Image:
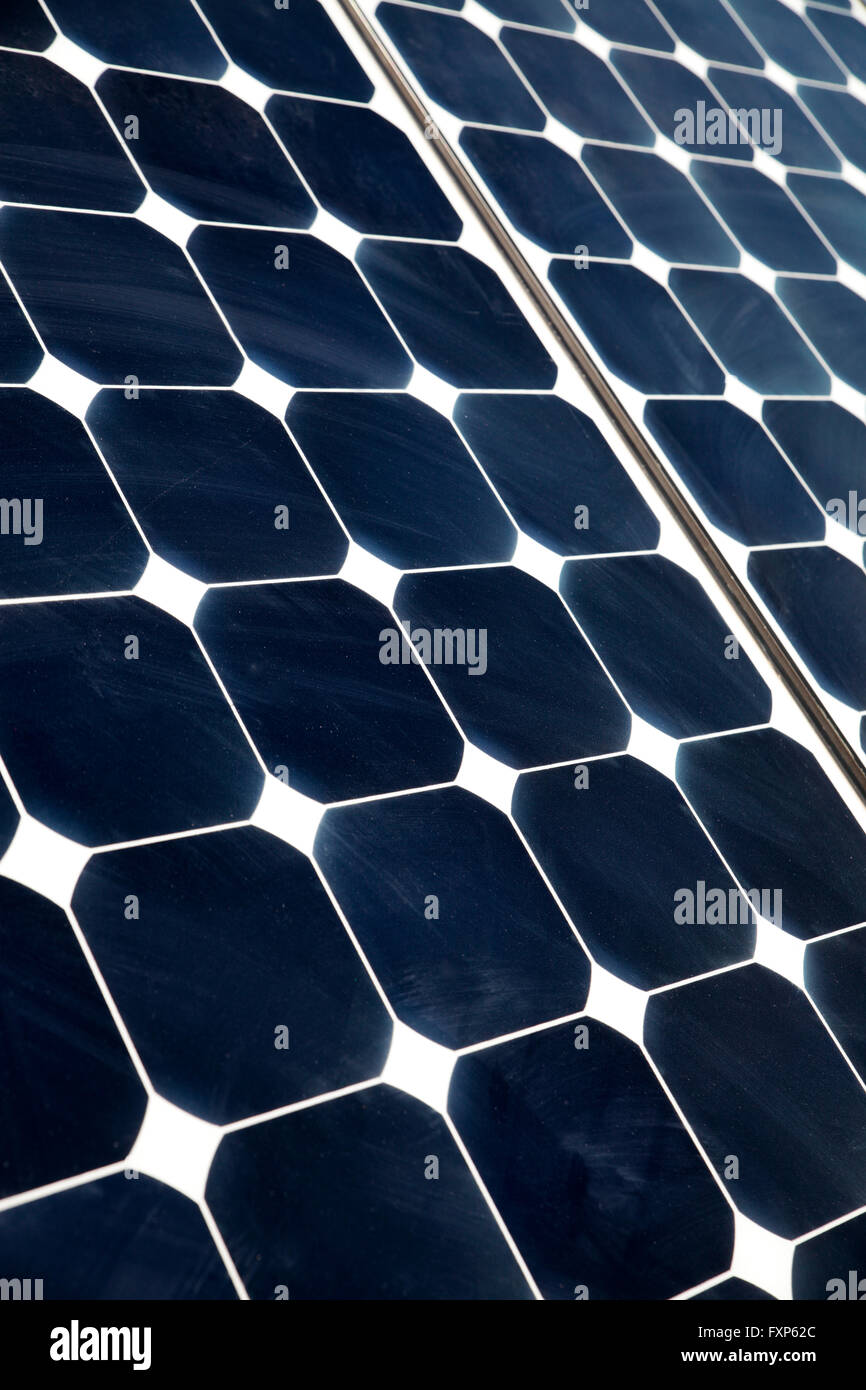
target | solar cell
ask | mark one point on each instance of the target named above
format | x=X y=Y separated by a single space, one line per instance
x=216 y=485
x=630 y=814
x=89 y=282
x=244 y=904
x=205 y=151
x=537 y=1117
x=302 y=665
x=403 y=483
x=781 y=1100
x=299 y=1183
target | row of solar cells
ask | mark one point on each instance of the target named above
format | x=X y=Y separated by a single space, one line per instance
x=331 y=1201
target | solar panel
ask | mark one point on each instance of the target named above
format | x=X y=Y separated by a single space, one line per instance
x=419 y=881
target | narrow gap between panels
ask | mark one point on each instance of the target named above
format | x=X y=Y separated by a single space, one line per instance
x=784 y=665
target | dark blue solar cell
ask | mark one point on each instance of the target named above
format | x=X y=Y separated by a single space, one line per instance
x=545 y=193
x=55 y=144
x=556 y=473
x=71 y=1098
x=529 y=691
x=596 y=1179
x=675 y=99
x=296 y=49
x=729 y=1289
x=24 y=24
x=20 y=353
x=839 y=210
x=842 y=116
x=456 y=315
x=818 y=597
x=827 y=445
x=206 y=151
x=835 y=976
x=834 y=317
x=226 y=944
x=286 y=1193
x=637 y=328
x=729 y=464
x=788 y=39
x=307 y=666
x=760 y=1080
x=832 y=1265
x=845 y=34
x=641 y=849
x=763 y=218
x=217 y=485
x=112 y=298
x=546 y=14
x=165 y=35
x=118 y=1238
x=660 y=206
x=460 y=67
x=785 y=131
x=710 y=31
x=125 y=739
x=299 y=307
x=627 y=21
x=65 y=529
x=665 y=645
x=363 y=169
x=400 y=478
x=577 y=88
x=752 y=336
x=780 y=825
x=452 y=915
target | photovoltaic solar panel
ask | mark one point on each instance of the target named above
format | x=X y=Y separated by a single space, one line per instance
x=416 y=881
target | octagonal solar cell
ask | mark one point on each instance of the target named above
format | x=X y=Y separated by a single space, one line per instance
x=55 y=145
x=452 y=915
x=569 y=1125
x=217 y=485
x=456 y=315
x=130 y=735
x=113 y=299
x=303 y=664
x=206 y=151
x=233 y=940
x=300 y=308
x=528 y=690
x=286 y=1193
